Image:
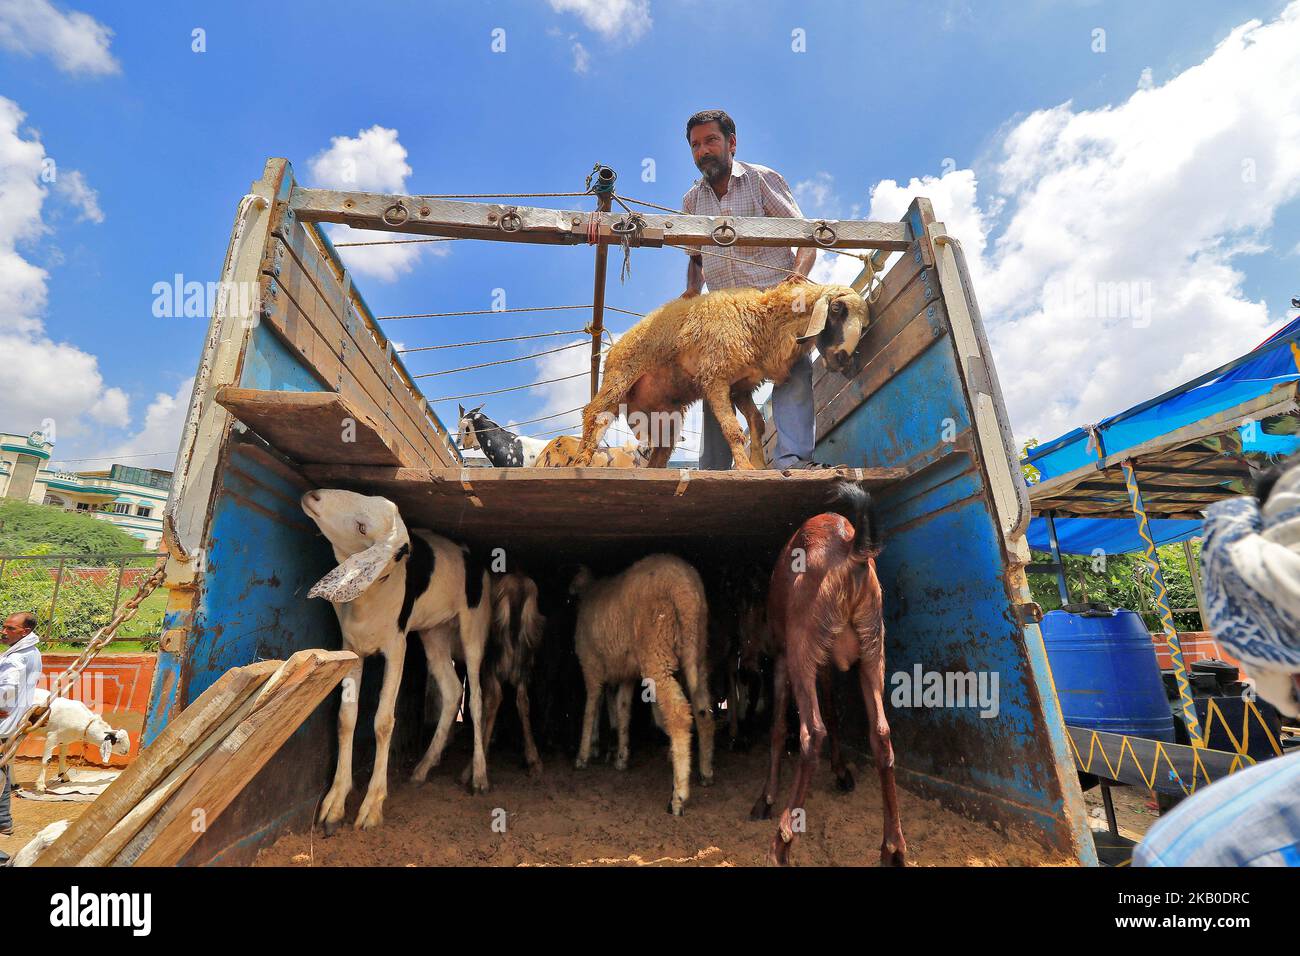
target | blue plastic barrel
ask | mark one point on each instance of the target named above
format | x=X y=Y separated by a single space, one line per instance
x=1105 y=670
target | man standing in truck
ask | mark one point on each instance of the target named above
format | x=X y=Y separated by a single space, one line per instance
x=729 y=187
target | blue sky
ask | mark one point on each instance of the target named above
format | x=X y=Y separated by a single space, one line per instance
x=1006 y=115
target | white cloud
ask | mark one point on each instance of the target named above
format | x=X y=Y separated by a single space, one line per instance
x=581 y=58
x=626 y=20
x=816 y=195
x=163 y=421
x=72 y=186
x=1103 y=242
x=1145 y=80
x=50 y=380
x=371 y=161
x=76 y=42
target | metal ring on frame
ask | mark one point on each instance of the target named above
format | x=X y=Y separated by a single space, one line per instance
x=724 y=234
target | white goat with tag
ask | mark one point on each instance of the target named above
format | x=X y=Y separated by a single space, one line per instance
x=388 y=583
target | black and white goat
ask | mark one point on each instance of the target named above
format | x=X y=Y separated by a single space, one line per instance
x=390 y=582
x=72 y=721
x=504 y=448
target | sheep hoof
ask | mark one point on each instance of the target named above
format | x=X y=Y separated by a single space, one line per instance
x=479 y=787
x=620 y=763
x=762 y=809
x=844 y=782
x=535 y=770
x=706 y=779
x=331 y=827
x=579 y=764
x=892 y=856
x=464 y=774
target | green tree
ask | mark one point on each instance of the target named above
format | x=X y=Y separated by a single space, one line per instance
x=26 y=528
x=1122 y=580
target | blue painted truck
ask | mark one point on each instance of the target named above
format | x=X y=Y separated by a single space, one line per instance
x=921 y=403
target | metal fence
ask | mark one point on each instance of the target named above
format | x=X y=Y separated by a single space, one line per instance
x=73 y=595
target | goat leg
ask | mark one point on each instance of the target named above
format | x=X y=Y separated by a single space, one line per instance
x=597 y=417
x=745 y=403
x=331 y=810
x=473 y=667
x=371 y=813
x=871 y=675
x=826 y=693
x=719 y=399
x=590 y=714
x=620 y=716
x=781 y=696
x=437 y=654
x=531 y=755
x=491 y=702
x=794 y=819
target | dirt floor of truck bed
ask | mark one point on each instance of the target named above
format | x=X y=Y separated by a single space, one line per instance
x=601 y=817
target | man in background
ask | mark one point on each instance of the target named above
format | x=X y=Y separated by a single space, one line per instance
x=729 y=187
x=1250 y=561
x=20 y=669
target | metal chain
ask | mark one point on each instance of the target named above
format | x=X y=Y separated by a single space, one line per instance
x=38 y=716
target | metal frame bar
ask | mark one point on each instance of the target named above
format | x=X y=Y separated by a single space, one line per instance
x=510 y=223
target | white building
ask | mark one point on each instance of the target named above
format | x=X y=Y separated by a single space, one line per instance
x=131 y=498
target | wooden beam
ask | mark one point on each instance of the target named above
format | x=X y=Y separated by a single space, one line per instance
x=181 y=735
x=310 y=426
x=511 y=223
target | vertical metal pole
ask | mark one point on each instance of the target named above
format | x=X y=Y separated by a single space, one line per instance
x=54 y=599
x=1194 y=569
x=1062 y=585
x=1161 y=595
x=121 y=573
x=604 y=189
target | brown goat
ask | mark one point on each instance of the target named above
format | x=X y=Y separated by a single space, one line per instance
x=719 y=347
x=824 y=605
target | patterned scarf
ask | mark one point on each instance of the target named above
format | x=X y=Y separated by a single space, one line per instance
x=1251 y=563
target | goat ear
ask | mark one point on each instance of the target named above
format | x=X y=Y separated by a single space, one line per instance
x=818 y=320
x=460 y=411
x=350 y=579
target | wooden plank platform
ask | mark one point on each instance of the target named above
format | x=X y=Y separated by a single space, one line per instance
x=310 y=426
x=598 y=510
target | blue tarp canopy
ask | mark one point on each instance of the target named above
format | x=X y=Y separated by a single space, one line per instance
x=1190 y=446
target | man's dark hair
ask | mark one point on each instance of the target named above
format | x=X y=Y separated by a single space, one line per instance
x=27 y=617
x=725 y=122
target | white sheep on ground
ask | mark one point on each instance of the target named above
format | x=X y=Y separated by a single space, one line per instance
x=648 y=622
x=72 y=721
x=390 y=582
x=38 y=844
x=719 y=347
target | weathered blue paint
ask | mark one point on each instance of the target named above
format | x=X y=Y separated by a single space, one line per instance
x=269 y=365
x=949 y=608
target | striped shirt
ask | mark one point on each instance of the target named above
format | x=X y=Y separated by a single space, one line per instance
x=1251 y=818
x=753 y=191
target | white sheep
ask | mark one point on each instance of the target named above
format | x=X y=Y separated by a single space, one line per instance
x=38 y=844
x=648 y=622
x=720 y=347
x=390 y=582
x=72 y=721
